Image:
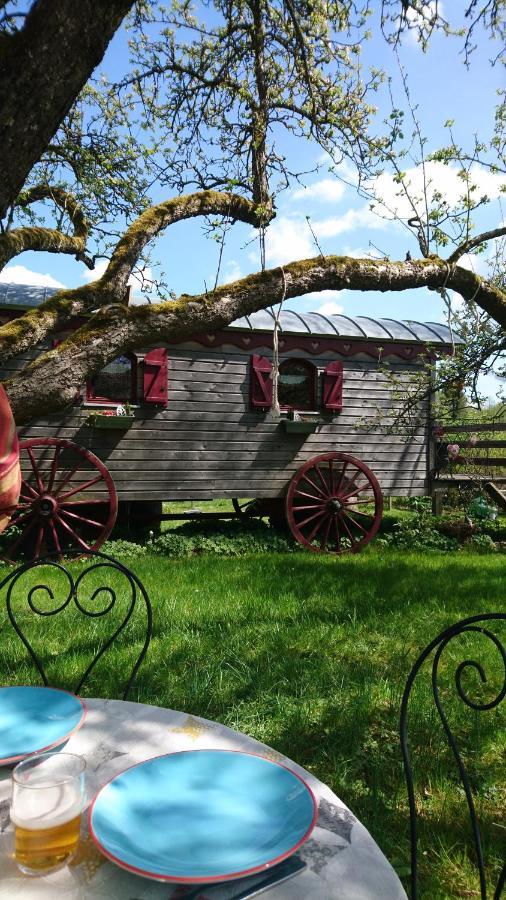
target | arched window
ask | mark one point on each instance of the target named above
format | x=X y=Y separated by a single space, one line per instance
x=116 y=382
x=297 y=384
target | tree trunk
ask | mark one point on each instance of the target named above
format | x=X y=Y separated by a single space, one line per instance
x=43 y=67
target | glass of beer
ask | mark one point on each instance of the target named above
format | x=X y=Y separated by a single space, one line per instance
x=47 y=802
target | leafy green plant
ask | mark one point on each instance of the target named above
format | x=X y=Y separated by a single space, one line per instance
x=222 y=539
x=417 y=532
x=122 y=547
x=480 y=543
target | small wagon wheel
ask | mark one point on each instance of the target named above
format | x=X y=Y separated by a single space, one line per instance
x=334 y=504
x=67 y=501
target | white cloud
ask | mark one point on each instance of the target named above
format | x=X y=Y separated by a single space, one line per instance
x=287 y=240
x=440 y=179
x=21 y=275
x=232 y=272
x=330 y=306
x=350 y=220
x=97 y=272
x=328 y=190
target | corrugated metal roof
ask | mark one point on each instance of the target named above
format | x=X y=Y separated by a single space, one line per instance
x=363 y=327
x=24 y=296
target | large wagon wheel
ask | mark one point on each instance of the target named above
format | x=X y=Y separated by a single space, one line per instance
x=67 y=501
x=334 y=504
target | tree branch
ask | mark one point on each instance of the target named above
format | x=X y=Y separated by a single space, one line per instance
x=475 y=242
x=50 y=382
x=27 y=331
x=49 y=239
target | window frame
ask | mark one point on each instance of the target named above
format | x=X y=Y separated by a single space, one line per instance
x=313 y=373
x=100 y=400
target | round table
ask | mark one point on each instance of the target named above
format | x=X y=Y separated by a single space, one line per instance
x=343 y=861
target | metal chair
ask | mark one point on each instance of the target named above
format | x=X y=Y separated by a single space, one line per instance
x=480 y=624
x=118 y=593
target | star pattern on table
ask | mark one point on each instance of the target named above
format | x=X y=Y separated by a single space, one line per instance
x=192 y=728
x=88 y=857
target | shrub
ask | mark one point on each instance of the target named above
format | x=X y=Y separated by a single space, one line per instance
x=417 y=533
x=122 y=548
x=222 y=539
x=480 y=543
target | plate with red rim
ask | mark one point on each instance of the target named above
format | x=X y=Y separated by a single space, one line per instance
x=202 y=816
x=35 y=719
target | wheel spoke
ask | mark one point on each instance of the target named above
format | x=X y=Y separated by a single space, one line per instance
x=24 y=484
x=38 y=479
x=38 y=542
x=355 y=492
x=71 y=515
x=55 y=536
x=348 y=532
x=338 y=536
x=65 y=480
x=325 y=537
x=361 y=527
x=341 y=477
x=317 y=515
x=315 y=486
x=331 y=476
x=323 y=480
x=94 y=502
x=73 y=534
x=81 y=487
x=53 y=469
x=317 y=527
x=305 y=494
x=22 y=518
x=308 y=506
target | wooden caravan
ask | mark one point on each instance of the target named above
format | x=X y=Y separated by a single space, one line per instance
x=197 y=423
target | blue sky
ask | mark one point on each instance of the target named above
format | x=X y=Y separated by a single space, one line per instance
x=441 y=86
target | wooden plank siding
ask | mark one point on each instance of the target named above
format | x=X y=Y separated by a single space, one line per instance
x=208 y=443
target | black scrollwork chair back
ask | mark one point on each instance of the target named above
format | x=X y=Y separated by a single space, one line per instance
x=481 y=624
x=103 y=591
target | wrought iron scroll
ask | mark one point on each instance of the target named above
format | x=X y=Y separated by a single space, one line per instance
x=75 y=590
x=472 y=624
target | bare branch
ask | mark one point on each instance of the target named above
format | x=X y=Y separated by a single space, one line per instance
x=475 y=242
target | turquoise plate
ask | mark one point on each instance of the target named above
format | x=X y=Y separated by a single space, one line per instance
x=202 y=816
x=34 y=719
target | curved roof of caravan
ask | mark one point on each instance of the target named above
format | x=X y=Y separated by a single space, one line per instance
x=24 y=296
x=363 y=327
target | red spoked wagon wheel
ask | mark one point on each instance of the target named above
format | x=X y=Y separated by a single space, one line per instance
x=334 y=504
x=67 y=501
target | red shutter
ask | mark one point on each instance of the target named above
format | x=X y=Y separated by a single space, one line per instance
x=155 y=385
x=260 y=382
x=333 y=386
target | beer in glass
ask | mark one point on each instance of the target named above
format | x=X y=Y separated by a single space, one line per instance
x=47 y=802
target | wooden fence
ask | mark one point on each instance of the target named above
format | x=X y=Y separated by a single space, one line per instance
x=479 y=461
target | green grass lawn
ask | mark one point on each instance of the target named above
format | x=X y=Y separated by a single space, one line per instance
x=310 y=654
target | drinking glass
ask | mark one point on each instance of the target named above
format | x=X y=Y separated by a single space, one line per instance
x=47 y=802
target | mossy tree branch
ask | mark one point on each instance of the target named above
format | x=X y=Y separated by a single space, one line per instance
x=49 y=239
x=52 y=380
x=27 y=331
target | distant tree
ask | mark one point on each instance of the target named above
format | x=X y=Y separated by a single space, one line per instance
x=210 y=98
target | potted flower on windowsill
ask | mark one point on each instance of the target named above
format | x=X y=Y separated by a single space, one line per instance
x=120 y=418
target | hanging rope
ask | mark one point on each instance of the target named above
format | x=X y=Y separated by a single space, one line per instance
x=276 y=411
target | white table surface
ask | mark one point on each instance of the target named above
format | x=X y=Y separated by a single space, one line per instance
x=343 y=861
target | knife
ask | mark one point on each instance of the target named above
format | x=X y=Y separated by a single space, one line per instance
x=282 y=872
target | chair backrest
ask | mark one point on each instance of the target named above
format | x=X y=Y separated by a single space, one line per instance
x=99 y=587
x=481 y=624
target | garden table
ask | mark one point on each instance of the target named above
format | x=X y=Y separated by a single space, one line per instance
x=343 y=861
